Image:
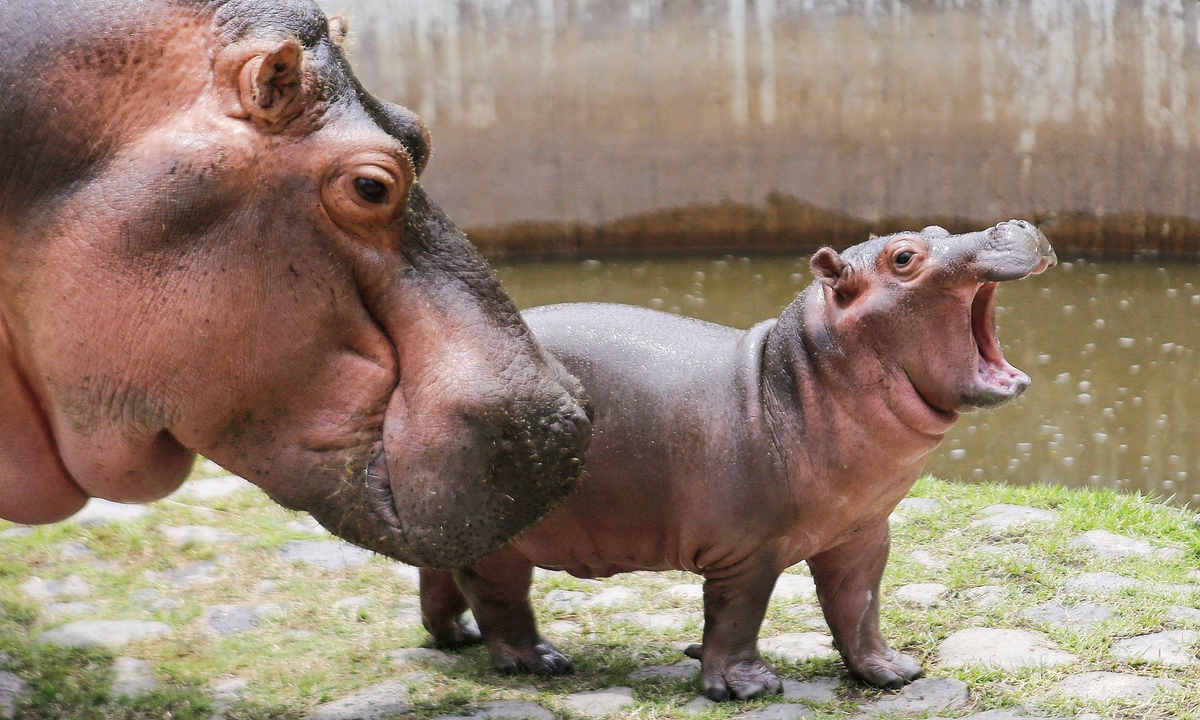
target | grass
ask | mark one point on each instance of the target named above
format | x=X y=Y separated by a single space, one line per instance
x=311 y=652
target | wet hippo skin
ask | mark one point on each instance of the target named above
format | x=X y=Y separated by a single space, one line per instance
x=213 y=239
x=736 y=454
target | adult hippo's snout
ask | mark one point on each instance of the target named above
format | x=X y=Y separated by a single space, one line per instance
x=214 y=240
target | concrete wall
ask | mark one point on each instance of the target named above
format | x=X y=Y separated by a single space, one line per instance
x=583 y=126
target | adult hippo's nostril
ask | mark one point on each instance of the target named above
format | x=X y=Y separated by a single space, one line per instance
x=581 y=428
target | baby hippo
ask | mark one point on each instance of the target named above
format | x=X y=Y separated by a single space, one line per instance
x=736 y=454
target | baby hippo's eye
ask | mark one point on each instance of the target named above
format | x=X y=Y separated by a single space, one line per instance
x=371 y=190
x=903 y=258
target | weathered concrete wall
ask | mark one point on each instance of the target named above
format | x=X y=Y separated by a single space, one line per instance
x=592 y=125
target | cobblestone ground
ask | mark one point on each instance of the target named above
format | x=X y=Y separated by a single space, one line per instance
x=1036 y=602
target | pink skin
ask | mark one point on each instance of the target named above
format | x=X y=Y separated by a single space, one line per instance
x=735 y=455
x=221 y=246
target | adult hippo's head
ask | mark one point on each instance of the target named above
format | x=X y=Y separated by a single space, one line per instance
x=916 y=311
x=214 y=240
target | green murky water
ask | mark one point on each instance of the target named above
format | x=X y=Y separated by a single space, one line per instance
x=1111 y=348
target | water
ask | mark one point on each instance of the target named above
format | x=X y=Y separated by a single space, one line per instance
x=1111 y=347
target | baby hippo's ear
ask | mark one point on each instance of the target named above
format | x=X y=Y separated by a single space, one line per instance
x=830 y=269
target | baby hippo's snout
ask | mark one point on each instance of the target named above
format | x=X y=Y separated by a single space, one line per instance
x=1013 y=250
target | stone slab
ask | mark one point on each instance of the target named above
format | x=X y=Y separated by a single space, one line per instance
x=230 y=619
x=1174 y=648
x=778 y=711
x=1099 y=583
x=70 y=586
x=325 y=554
x=1000 y=648
x=918 y=505
x=1004 y=517
x=1057 y=614
x=798 y=647
x=99 y=512
x=687 y=591
x=599 y=703
x=985 y=596
x=373 y=703
x=421 y=656
x=820 y=690
x=683 y=670
x=134 y=677
x=1183 y=614
x=211 y=488
x=1109 y=686
x=790 y=587
x=1110 y=545
x=921 y=696
x=111 y=633
x=196 y=534
x=512 y=710
x=657 y=622
x=923 y=594
x=12 y=689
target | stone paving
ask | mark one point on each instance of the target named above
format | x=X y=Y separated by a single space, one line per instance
x=1019 y=633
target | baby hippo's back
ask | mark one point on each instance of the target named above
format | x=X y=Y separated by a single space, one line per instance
x=664 y=476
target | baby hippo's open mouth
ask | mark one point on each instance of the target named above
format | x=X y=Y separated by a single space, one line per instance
x=998 y=381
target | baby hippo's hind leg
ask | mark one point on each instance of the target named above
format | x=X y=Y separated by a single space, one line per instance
x=443 y=611
x=497 y=589
x=734 y=608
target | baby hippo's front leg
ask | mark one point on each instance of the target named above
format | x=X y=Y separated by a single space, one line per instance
x=847 y=580
x=734 y=607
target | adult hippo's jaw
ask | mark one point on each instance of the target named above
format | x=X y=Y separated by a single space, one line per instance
x=924 y=304
x=214 y=240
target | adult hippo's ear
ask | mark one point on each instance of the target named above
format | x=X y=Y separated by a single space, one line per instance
x=264 y=83
x=830 y=269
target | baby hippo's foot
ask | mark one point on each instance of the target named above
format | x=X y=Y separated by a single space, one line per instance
x=886 y=669
x=458 y=632
x=723 y=678
x=540 y=659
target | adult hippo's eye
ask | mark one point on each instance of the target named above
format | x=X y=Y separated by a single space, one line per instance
x=903 y=258
x=371 y=190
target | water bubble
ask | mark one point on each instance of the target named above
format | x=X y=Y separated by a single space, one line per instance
x=1093 y=479
x=719 y=265
x=1168 y=347
x=1068 y=461
x=1145 y=461
x=1102 y=277
x=1066 y=267
x=1122 y=448
x=796 y=278
x=1161 y=422
x=1099 y=323
x=1024 y=447
x=1058 y=437
x=1063 y=378
x=1126 y=342
x=1196 y=299
x=591 y=265
x=1172 y=292
x=971 y=429
x=1068 y=309
x=1137 y=401
x=699 y=302
x=1045 y=292
x=758 y=277
x=698 y=277
x=1134 y=370
x=675 y=309
x=1090 y=347
x=978 y=473
x=1174 y=459
x=1124 y=304
x=656 y=303
x=744 y=260
x=1100 y=437
x=958 y=453
x=639 y=271
x=1043 y=359
x=1168 y=486
x=1084 y=386
x=1108 y=413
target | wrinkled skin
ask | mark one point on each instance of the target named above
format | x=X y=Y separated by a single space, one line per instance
x=736 y=454
x=213 y=240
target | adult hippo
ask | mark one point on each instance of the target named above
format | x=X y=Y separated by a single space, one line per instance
x=213 y=239
x=737 y=454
